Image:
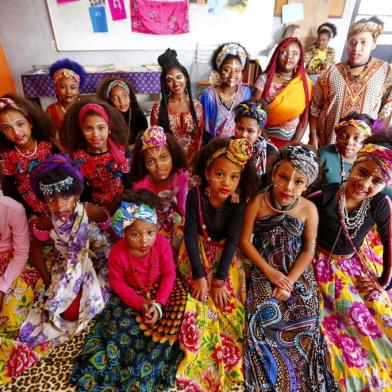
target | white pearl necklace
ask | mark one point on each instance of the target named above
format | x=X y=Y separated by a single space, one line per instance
x=30 y=154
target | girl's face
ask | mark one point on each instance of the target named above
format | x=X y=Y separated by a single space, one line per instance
x=61 y=206
x=365 y=180
x=96 y=132
x=349 y=141
x=289 y=183
x=140 y=237
x=159 y=163
x=67 y=90
x=289 y=57
x=120 y=99
x=16 y=128
x=247 y=128
x=359 y=47
x=223 y=177
x=176 y=81
x=322 y=41
x=230 y=72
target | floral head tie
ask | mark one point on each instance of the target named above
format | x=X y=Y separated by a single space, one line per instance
x=66 y=73
x=238 y=151
x=363 y=25
x=153 y=137
x=9 y=103
x=128 y=213
x=93 y=107
x=233 y=49
x=358 y=124
x=303 y=159
x=116 y=83
x=382 y=156
x=252 y=110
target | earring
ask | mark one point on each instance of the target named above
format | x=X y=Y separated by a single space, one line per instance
x=235 y=198
x=207 y=191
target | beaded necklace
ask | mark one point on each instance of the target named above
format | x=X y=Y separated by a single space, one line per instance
x=356 y=78
x=28 y=154
x=145 y=288
x=276 y=207
x=227 y=101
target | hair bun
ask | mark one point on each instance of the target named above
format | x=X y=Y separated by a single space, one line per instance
x=168 y=59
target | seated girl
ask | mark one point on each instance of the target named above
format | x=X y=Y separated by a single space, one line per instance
x=250 y=120
x=284 y=348
x=159 y=165
x=134 y=343
x=119 y=93
x=212 y=331
x=96 y=135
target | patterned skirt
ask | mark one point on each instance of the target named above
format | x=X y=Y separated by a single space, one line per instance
x=212 y=338
x=171 y=225
x=357 y=329
x=14 y=356
x=121 y=353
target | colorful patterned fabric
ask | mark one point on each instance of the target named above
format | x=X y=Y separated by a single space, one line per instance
x=79 y=269
x=15 y=308
x=121 y=353
x=358 y=124
x=335 y=96
x=233 y=49
x=284 y=348
x=66 y=73
x=212 y=338
x=238 y=151
x=358 y=330
x=153 y=137
x=318 y=60
x=219 y=121
x=116 y=83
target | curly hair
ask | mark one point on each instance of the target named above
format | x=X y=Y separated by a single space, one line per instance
x=69 y=64
x=133 y=113
x=228 y=57
x=138 y=168
x=42 y=127
x=327 y=28
x=168 y=61
x=71 y=135
x=142 y=196
x=248 y=182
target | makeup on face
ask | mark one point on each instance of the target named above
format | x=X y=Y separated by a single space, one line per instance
x=359 y=48
x=16 y=128
x=96 y=132
x=67 y=90
x=349 y=141
x=159 y=163
x=247 y=128
x=289 y=57
x=120 y=99
x=140 y=237
x=231 y=72
x=61 y=206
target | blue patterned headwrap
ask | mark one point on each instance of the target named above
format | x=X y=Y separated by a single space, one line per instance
x=128 y=213
x=252 y=110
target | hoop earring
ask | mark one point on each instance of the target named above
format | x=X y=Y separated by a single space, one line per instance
x=235 y=198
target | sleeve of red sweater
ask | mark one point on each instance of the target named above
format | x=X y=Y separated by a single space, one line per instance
x=117 y=268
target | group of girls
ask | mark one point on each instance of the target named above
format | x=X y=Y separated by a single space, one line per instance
x=240 y=282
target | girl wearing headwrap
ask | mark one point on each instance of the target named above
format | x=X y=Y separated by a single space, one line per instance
x=177 y=112
x=288 y=91
x=95 y=134
x=284 y=348
x=77 y=289
x=219 y=102
x=355 y=304
x=250 y=119
x=159 y=165
x=320 y=56
x=212 y=330
x=68 y=77
x=134 y=344
x=361 y=84
x=119 y=93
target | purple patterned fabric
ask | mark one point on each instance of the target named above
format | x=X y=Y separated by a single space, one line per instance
x=41 y=85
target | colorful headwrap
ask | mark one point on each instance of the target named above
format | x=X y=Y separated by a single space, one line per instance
x=238 y=151
x=382 y=156
x=154 y=136
x=358 y=124
x=252 y=110
x=93 y=107
x=66 y=73
x=115 y=83
x=9 y=103
x=233 y=49
x=364 y=25
x=303 y=159
x=128 y=213
x=53 y=163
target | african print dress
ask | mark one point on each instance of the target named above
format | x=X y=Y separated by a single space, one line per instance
x=284 y=348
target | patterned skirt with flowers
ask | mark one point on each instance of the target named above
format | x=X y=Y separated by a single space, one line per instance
x=357 y=328
x=15 y=357
x=121 y=353
x=212 y=338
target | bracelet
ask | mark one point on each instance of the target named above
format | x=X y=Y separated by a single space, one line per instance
x=158 y=307
x=218 y=285
x=41 y=235
x=106 y=224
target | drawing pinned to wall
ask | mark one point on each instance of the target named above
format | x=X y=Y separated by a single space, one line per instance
x=98 y=16
x=237 y=5
x=160 y=17
x=117 y=9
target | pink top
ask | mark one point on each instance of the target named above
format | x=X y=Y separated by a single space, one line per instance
x=123 y=280
x=177 y=188
x=14 y=234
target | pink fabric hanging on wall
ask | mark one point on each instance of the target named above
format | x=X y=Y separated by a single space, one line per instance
x=160 y=17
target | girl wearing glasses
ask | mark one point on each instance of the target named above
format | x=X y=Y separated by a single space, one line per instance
x=177 y=112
